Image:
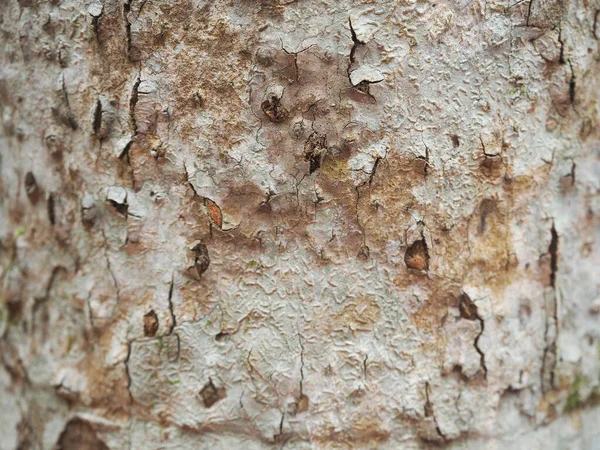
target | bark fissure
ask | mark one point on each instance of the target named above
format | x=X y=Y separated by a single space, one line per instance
x=374 y=169
x=133 y=100
x=70 y=116
x=109 y=108
x=362 y=86
x=96 y=26
x=295 y=55
x=355 y=44
x=572 y=84
x=425 y=160
x=171 y=310
x=301 y=366
x=469 y=311
x=553 y=251
x=528 y=12
x=430 y=412
x=126 y=11
x=552 y=326
x=478 y=348
x=485 y=153
x=561 y=55
x=50 y=207
x=97 y=123
x=128 y=376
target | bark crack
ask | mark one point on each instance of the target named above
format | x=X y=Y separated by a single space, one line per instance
x=128 y=374
x=429 y=411
x=469 y=311
x=478 y=348
x=70 y=118
x=355 y=44
x=126 y=11
x=572 y=84
x=553 y=250
x=280 y=436
x=97 y=125
x=133 y=102
x=561 y=56
x=363 y=86
x=301 y=365
x=551 y=331
x=96 y=25
x=371 y=174
x=171 y=311
x=425 y=158
x=485 y=153
x=295 y=55
x=374 y=169
x=528 y=13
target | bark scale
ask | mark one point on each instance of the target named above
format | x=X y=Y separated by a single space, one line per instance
x=299 y=224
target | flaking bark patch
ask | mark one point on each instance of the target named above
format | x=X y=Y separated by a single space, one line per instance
x=417 y=256
x=211 y=394
x=150 y=324
x=313 y=140
x=78 y=435
x=315 y=149
x=274 y=110
x=31 y=188
x=468 y=309
x=201 y=258
x=214 y=213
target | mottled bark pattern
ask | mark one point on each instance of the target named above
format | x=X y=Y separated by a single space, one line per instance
x=297 y=224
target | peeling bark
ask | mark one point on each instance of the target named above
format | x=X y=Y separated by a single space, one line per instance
x=299 y=224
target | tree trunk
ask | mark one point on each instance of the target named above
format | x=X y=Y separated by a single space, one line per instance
x=297 y=224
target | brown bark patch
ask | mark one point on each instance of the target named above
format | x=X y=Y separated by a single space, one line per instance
x=273 y=109
x=79 y=435
x=150 y=324
x=417 y=256
x=357 y=315
x=211 y=394
x=32 y=188
x=214 y=212
x=430 y=315
x=468 y=309
x=302 y=405
x=364 y=431
x=201 y=259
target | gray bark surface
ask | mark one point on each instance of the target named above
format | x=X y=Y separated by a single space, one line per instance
x=299 y=224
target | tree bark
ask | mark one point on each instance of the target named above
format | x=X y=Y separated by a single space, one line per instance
x=297 y=224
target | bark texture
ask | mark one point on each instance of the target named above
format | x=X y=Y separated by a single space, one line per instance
x=299 y=224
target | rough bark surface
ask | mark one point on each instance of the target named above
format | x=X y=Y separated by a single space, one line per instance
x=297 y=224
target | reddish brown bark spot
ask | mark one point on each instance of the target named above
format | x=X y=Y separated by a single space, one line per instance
x=150 y=324
x=416 y=256
x=214 y=212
